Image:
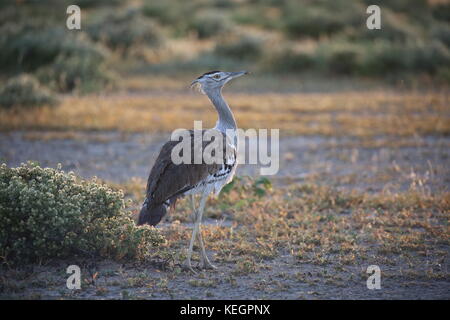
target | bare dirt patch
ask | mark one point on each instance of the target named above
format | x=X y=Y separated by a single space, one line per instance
x=376 y=164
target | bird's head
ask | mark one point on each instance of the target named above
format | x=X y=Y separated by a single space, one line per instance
x=214 y=80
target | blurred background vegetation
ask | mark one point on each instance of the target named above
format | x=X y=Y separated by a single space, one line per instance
x=119 y=39
x=123 y=42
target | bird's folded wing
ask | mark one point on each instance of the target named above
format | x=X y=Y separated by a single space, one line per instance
x=169 y=180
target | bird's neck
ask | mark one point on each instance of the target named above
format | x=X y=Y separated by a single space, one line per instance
x=226 y=119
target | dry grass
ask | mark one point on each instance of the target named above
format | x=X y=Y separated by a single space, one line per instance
x=317 y=225
x=361 y=114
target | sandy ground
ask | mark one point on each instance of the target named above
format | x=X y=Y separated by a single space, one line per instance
x=344 y=162
x=281 y=279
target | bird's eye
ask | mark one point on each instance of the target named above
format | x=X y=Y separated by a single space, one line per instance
x=217 y=76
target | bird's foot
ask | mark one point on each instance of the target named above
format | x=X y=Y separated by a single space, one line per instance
x=188 y=266
x=206 y=264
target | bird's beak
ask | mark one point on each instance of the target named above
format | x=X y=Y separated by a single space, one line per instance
x=193 y=83
x=237 y=74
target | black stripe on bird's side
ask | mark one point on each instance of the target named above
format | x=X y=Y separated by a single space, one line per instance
x=225 y=171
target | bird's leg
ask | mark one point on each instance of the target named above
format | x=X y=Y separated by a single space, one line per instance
x=206 y=264
x=194 y=233
x=194 y=211
x=197 y=221
x=204 y=258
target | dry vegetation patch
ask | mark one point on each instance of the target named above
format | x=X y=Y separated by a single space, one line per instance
x=332 y=114
x=319 y=225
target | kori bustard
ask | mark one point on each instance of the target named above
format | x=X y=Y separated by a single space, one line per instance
x=169 y=181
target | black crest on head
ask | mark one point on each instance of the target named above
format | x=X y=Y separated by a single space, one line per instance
x=206 y=73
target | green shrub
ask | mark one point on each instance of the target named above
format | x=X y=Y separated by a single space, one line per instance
x=21 y=48
x=62 y=59
x=28 y=47
x=443 y=75
x=25 y=91
x=48 y=11
x=208 y=24
x=441 y=32
x=223 y=4
x=290 y=61
x=441 y=11
x=339 y=57
x=313 y=23
x=343 y=62
x=165 y=12
x=46 y=213
x=375 y=59
x=429 y=57
x=77 y=73
x=418 y=7
x=321 y=18
x=258 y=15
x=124 y=30
x=97 y=3
x=391 y=58
x=394 y=27
x=246 y=47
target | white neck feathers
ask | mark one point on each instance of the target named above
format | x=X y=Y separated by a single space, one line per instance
x=226 y=119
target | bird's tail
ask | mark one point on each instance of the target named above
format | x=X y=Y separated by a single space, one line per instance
x=152 y=213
